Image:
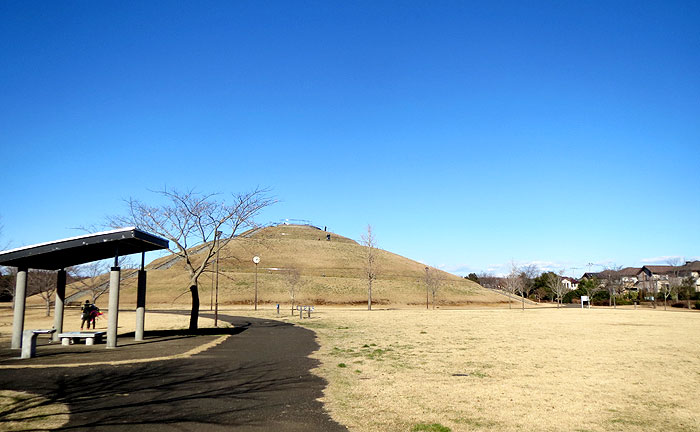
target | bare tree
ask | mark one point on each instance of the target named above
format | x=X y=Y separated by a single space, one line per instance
x=433 y=282
x=523 y=289
x=528 y=273
x=613 y=283
x=674 y=283
x=190 y=219
x=675 y=261
x=488 y=280
x=688 y=288
x=92 y=277
x=4 y=244
x=668 y=289
x=553 y=282
x=293 y=277
x=43 y=282
x=7 y=284
x=513 y=283
x=370 y=243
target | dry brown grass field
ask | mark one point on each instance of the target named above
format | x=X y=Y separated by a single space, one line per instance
x=476 y=368
x=543 y=369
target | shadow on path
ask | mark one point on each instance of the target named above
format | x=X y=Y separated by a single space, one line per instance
x=257 y=380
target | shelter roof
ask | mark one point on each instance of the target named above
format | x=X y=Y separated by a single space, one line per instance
x=72 y=251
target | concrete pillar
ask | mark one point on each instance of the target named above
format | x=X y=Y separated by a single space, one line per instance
x=113 y=308
x=60 y=299
x=28 y=344
x=140 y=305
x=19 y=301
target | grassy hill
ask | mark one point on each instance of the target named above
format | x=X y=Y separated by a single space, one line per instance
x=331 y=273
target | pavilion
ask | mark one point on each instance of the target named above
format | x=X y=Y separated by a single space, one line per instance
x=60 y=254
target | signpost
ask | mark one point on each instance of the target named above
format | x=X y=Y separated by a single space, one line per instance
x=585 y=299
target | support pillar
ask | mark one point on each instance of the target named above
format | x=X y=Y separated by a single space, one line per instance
x=20 y=298
x=113 y=307
x=140 y=305
x=60 y=300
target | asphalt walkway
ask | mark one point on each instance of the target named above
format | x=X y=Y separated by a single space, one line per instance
x=257 y=379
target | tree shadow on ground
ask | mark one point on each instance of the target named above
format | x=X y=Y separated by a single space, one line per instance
x=163 y=335
x=153 y=394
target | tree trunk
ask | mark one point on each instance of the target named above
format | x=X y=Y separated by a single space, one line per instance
x=194 y=315
x=523 y=296
x=369 y=296
x=48 y=306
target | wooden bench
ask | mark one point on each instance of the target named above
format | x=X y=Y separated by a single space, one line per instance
x=29 y=341
x=90 y=337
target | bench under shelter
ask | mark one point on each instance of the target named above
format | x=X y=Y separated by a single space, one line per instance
x=61 y=254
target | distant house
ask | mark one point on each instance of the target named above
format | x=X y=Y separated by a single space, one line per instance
x=627 y=277
x=569 y=283
x=651 y=278
x=654 y=278
x=691 y=269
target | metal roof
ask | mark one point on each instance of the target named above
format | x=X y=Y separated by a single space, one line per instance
x=72 y=251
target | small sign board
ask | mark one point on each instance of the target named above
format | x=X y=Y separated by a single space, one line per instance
x=585 y=299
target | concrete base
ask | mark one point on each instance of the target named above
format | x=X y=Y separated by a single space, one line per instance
x=28 y=344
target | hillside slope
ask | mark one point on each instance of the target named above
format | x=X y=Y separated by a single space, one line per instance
x=331 y=273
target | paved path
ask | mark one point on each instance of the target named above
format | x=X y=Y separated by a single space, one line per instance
x=256 y=380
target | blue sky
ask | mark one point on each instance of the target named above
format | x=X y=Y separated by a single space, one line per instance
x=469 y=134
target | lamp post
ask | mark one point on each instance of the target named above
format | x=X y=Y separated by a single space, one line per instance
x=216 y=310
x=211 y=294
x=256 y=261
x=427 y=289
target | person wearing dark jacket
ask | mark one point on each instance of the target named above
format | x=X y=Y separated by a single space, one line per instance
x=88 y=315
